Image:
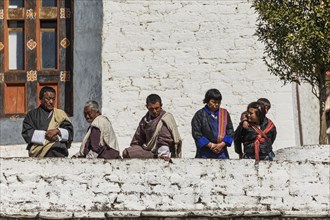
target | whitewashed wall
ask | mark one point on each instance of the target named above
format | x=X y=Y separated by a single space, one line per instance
x=188 y=187
x=180 y=49
x=309 y=115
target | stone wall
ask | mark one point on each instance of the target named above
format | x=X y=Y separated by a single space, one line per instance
x=60 y=188
x=180 y=49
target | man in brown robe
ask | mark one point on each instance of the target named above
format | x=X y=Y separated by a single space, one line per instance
x=157 y=135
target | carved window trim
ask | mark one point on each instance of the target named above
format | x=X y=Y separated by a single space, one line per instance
x=32 y=76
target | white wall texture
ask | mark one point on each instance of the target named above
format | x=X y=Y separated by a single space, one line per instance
x=187 y=187
x=179 y=50
x=309 y=115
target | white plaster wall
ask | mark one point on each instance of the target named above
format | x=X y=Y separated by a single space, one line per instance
x=180 y=49
x=310 y=108
x=76 y=187
x=308 y=152
x=20 y=150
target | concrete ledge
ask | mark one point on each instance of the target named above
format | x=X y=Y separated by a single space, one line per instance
x=137 y=188
x=168 y=215
x=301 y=153
x=298 y=153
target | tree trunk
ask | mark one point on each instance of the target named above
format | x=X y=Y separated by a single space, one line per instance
x=323 y=138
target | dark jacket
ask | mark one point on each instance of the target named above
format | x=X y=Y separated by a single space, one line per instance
x=248 y=136
x=204 y=131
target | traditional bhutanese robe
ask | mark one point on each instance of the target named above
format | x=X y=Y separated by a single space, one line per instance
x=153 y=133
x=250 y=137
x=206 y=127
x=100 y=140
x=37 y=122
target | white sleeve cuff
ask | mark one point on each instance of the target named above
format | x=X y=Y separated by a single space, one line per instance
x=64 y=134
x=38 y=137
x=164 y=151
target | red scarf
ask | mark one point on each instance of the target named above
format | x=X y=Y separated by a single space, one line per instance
x=222 y=124
x=260 y=139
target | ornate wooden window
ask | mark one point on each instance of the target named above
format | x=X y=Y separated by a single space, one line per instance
x=35 y=50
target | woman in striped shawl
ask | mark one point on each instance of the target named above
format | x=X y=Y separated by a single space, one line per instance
x=212 y=128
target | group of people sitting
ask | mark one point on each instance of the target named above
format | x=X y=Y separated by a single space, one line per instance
x=49 y=132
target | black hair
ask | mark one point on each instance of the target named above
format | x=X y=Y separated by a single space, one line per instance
x=265 y=101
x=261 y=111
x=45 y=89
x=153 y=98
x=212 y=94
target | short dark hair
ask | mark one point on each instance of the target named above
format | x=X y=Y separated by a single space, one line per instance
x=153 y=98
x=261 y=111
x=45 y=89
x=265 y=101
x=212 y=94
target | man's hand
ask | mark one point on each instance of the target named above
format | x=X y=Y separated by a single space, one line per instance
x=164 y=153
x=51 y=135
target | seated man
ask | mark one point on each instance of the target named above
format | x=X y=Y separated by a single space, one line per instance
x=157 y=135
x=100 y=140
x=47 y=130
x=258 y=137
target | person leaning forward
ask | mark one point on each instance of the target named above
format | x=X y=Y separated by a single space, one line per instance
x=100 y=140
x=157 y=135
x=46 y=129
x=258 y=137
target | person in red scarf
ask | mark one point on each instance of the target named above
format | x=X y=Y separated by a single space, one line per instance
x=258 y=137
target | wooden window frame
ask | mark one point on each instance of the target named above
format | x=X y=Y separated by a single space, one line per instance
x=33 y=76
x=41 y=52
x=7 y=40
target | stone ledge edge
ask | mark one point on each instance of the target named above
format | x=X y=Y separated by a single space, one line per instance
x=134 y=214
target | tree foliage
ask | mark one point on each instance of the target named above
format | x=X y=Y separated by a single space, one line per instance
x=296 y=34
